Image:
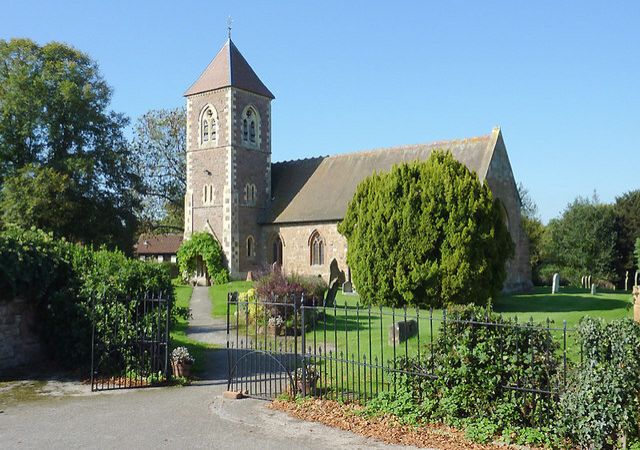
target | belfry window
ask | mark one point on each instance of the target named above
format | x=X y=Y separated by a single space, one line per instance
x=208 y=125
x=250 y=247
x=250 y=126
x=316 y=244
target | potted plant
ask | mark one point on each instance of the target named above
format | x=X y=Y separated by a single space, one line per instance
x=306 y=379
x=275 y=325
x=181 y=362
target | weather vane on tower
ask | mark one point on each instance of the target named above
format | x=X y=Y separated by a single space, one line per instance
x=229 y=22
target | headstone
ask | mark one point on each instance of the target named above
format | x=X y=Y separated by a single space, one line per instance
x=637 y=277
x=347 y=287
x=249 y=276
x=593 y=289
x=589 y=282
x=626 y=280
x=401 y=331
x=582 y=282
x=555 y=287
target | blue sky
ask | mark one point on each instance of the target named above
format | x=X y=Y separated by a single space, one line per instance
x=560 y=78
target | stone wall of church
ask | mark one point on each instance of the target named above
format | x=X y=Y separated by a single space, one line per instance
x=503 y=186
x=296 y=250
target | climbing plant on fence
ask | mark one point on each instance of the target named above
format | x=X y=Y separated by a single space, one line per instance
x=208 y=248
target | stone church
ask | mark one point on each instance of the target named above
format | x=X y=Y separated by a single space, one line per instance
x=287 y=212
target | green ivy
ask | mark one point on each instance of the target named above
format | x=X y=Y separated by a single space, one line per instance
x=602 y=403
x=63 y=280
x=208 y=248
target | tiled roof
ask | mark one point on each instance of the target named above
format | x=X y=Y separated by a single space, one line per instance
x=229 y=68
x=158 y=244
x=319 y=189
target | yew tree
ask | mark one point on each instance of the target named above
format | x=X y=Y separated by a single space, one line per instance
x=426 y=234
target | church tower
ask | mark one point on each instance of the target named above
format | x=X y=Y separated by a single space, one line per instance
x=229 y=157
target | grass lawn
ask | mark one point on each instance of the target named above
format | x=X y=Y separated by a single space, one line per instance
x=179 y=327
x=350 y=330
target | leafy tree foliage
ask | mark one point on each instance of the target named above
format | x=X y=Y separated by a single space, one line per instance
x=203 y=245
x=627 y=208
x=62 y=280
x=534 y=228
x=582 y=241
x=54 y=114
x=159 y=147
x=426 y=233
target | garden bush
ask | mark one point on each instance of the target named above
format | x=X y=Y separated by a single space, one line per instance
x=208 y=248
x=602 y=403
x=470 y=364
x=426 y=234
x=62 y=280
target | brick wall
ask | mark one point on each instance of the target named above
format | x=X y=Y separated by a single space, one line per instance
x=19 y=344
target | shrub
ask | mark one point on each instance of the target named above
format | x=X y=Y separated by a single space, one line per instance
x=602 y=403
x=426 y=234
x=62 y=280
x=471 y=363
x=208 y=248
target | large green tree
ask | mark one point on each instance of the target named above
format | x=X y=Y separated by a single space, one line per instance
x=54 y=113
x=159 y=148
x=583 y=241
x=426 y=233
x=627 y=207
x=534 y=229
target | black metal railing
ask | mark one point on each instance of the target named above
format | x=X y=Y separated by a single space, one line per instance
x=347 y=352
x=130 y=342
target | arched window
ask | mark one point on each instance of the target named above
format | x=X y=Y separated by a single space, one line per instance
x=250 y=247
x=276 y=251
x=208 y=125
x=250 y=126
x=208 y=194
x=250 y=194
x=316 y=246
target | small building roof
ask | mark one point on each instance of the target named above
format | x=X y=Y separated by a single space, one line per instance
x=320 y=189
x=229 y=68
x=158 y=244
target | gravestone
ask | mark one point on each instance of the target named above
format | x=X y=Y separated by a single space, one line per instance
x=582 y=282
x=347 y=287
x=555 y=287
x=626 y=280
x=637 y=277
x=589 y=281
x=401 y=331
x=249 y=276
x=593 y=289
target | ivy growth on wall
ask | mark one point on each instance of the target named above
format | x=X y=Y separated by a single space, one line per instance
x=202 y=245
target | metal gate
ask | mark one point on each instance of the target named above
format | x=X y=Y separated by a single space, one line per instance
x=263 y=357
x=130 y=342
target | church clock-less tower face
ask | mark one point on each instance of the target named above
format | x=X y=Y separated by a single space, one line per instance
x=229 y=157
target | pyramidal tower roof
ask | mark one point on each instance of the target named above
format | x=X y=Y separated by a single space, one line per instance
x=229 y=68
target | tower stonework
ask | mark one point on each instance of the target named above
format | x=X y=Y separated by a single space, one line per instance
x=229 y=158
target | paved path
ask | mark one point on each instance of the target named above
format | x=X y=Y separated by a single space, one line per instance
x=203 y=327
x=194 y=416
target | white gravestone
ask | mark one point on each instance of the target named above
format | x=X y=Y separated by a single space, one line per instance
x=593 y=289
x=555 y=287
x=589 y=281
x=626 y=280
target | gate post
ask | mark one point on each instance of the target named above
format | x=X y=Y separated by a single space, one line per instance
x=167 y=368
x=228 y=349
x=304 y=349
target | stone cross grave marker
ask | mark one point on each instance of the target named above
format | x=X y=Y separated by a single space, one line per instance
x=555 y=287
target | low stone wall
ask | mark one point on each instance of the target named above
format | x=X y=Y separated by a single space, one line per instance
x=19 y=344
x=636 y=303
